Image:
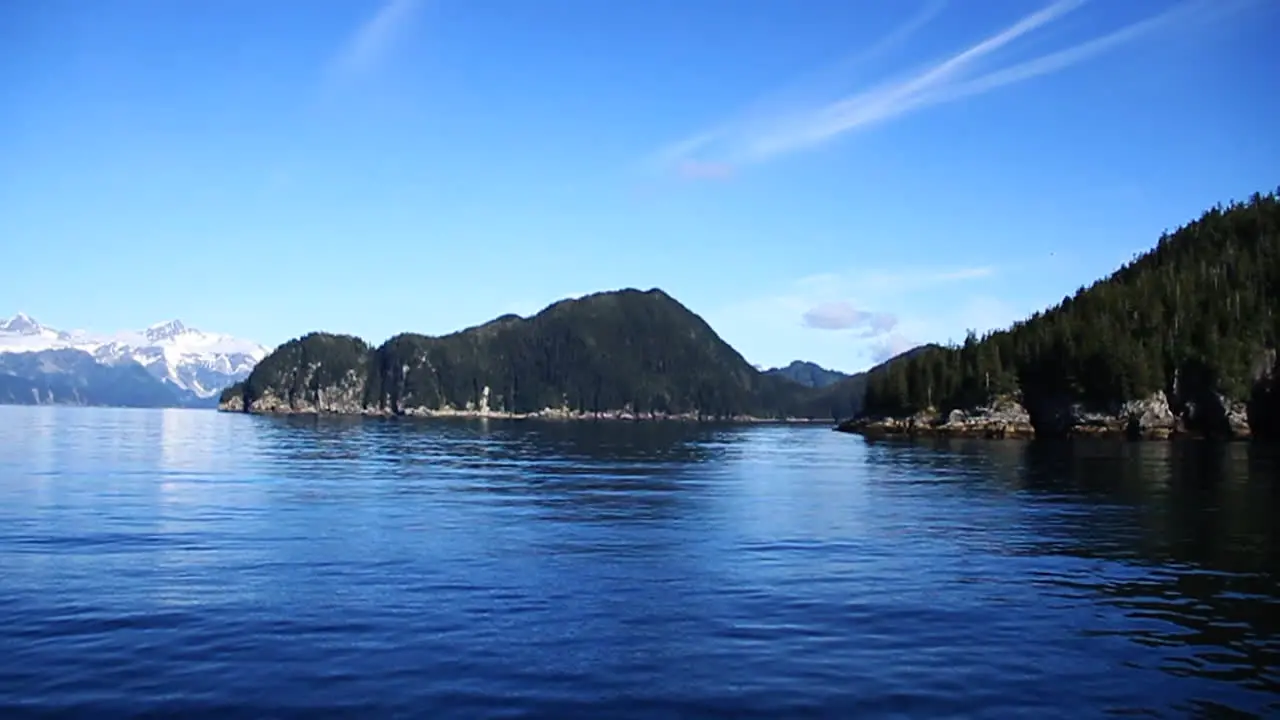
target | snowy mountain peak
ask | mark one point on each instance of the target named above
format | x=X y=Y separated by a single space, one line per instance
x=165 y=330
x=21 y=324
x=197 y=362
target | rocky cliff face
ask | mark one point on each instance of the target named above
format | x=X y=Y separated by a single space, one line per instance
x=343 y=397
x=314 y=374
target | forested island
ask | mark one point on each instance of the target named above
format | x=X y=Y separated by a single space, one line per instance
x=1179 y=341
x=623 y=354
x=808 y=374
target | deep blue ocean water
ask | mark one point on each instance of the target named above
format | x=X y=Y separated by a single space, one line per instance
x=187 y=563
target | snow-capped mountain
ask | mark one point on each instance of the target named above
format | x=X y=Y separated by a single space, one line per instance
x=193 y=361
x=23 y=332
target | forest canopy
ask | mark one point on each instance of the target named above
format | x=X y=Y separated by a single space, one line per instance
x=1201 y=308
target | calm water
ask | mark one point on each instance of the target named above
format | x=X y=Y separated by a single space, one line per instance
x=196 y=564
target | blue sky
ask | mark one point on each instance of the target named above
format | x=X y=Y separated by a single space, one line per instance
x=829 y=179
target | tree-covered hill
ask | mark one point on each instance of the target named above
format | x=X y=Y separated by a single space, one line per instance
x=808 y=374
x=1194 y=318
x=844 y=398
x=640 y=353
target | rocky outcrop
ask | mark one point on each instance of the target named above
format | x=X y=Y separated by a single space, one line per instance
x=1263 y=409
x=1150 y=418
x=232 y=402
x=1236 y=415
x=306 y=393
x=348 y=398
x=1202 y=409
x=1003 y=418
x=1194 y=406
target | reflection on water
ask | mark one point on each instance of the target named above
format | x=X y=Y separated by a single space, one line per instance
x=190 y=562
x=1185 y=532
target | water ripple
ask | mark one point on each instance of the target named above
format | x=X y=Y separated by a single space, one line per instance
x=192 y=564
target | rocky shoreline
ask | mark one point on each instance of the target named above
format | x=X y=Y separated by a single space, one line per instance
x=1003 y=419
x=271 y=405
x=1152 y=418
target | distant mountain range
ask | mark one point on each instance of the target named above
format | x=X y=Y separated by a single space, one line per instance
x=808 y=374
x=164 y=365
x=624 y=352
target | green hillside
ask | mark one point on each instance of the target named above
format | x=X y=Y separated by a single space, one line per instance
x=629 y=351
x=1195 y=318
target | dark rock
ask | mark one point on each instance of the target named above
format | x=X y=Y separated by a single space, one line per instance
x=1147 y=419
x=1003 y=418
x=1151 y=418
x=1263 y=408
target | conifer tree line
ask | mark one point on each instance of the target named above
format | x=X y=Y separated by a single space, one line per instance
x=1201 y=307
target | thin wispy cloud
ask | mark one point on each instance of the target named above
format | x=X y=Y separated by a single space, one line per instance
x=704 y=170
x=369 y=44
x=767 y=130
x=681 y=157
x=887 y=282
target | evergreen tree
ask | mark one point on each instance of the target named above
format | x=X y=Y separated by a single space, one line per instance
x=1200 y=307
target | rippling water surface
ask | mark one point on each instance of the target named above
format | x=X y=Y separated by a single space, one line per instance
x=199 y=564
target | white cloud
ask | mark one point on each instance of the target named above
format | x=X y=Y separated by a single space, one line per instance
x=846 y=320
x=839 y=315
x=842 y=315
x=891 y=345
x=764 y=132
